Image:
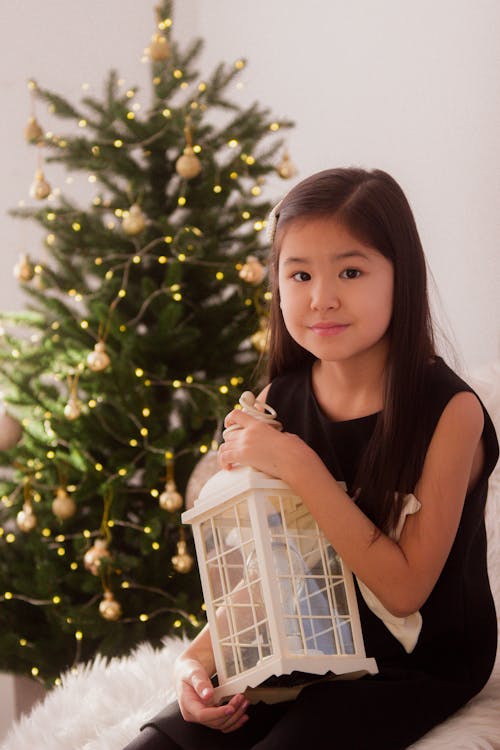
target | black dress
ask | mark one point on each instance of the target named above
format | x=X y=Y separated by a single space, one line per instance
x=456 y=649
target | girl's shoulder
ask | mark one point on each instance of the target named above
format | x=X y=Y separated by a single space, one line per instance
x=442 y=384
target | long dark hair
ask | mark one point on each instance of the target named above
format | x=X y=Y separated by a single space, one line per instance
x=372 y=207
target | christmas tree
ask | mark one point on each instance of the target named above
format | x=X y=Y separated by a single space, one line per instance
x=146 y=320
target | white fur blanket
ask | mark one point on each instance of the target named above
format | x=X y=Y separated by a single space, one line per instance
x=101 y=706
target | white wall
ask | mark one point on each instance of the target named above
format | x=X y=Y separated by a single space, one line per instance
x=410 y=87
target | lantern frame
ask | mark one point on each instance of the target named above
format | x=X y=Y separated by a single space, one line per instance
x=248 y=504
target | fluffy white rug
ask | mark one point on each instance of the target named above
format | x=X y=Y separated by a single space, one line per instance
x=102 y=705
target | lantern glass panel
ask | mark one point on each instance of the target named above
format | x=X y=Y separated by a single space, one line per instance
x=310 y=579
x=236 y=592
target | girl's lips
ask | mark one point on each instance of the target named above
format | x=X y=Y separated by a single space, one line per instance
x=328 y=329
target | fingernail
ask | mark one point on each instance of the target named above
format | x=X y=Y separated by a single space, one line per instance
x=205 y=692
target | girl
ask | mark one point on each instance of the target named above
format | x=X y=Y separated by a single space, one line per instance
x=363 y=399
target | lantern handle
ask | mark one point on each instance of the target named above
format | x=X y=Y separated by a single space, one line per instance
x=258 y=409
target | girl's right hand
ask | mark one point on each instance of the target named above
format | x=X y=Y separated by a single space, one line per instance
x=195 y=694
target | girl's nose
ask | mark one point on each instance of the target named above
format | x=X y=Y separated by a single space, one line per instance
x=324 y=297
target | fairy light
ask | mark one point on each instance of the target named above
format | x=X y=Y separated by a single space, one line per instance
x=76 y=226
x=256 y=190
x=130 y=93
x=74 y=566
x=95 y=150
x=177 y=383
x=86 y=533
x=181 y=200
x=51 y=216
x=98 y=261
x=258 y=226
x=233 y=143
x=203 y=448
x=250 y=160
x=178 y=73
x=146 y=412
x=122 y=472
x=82 y=123
x=47 y=532
x=56 y=599
x=55 y=325
x=122 y=293
x=155 y=546
x=92 y=403
x=60 y=538
x=7 y=595
x=50 y=455
x=181 y=257
x=189 y=379
x=98 y=467
x=133 y=443
x=217 y=189
x=177 y=297
x=122 y=328
x=177 y=624
x=23 y=642
x=219 y=275
x=274 y=126
x=268 y=296
x=50 y=239
x=92 y=178
x=144 y=431
x=136 y=259
x=118 y=143
x=125 y=585
x=148 y=529
x=239 y=64
x=224 y=389
x=84 y=324
x=143 y=617
x=35 y=671
x=139 y=372
x=202 y=87
x=130 y=115
x=79 y=635
x=167 y=113
x=233 y=175
x=197 y=148
x=246 y=215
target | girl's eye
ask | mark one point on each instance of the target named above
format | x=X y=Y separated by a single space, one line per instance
x=350 y=273
x=301 y=276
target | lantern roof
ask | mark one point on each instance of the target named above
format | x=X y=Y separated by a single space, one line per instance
x=229 y=484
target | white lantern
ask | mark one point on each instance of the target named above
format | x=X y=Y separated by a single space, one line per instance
x=279 y=599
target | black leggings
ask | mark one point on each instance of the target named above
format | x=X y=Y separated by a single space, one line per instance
x=151 y=739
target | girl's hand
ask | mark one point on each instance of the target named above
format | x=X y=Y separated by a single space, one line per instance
x=261 y=446
x=195 y=694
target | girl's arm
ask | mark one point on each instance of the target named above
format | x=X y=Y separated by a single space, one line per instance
x=401 y=574
x=195 y=692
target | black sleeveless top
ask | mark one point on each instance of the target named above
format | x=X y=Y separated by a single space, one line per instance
x=458 y=637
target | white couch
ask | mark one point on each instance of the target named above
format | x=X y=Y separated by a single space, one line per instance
x=102 y=705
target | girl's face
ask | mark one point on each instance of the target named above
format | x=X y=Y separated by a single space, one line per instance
x=335 y=292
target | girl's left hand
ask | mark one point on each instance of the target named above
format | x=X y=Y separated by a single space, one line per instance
x=259 y=445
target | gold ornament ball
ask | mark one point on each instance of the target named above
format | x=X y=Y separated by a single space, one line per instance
x=72 y=410
x=253 y=272
x=159 y=48
x=93 y=557
x=134 y=222
x=40 y=188
x=109 y=608
x=26 y=519
x=63 y=507
x=170 y=499
x=286 y=169
x=33 y=133
x=260 y=339
x=182 y=561
x=10 y=430
x=188 y=165
x=23 y=270
x=98 y=360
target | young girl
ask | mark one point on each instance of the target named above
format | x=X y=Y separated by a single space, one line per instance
x=363 y=399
